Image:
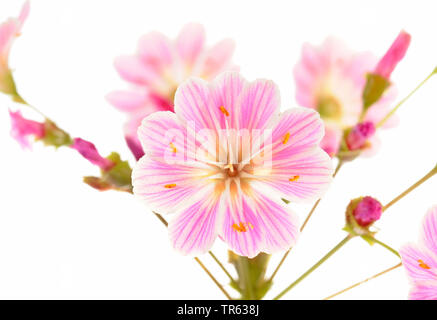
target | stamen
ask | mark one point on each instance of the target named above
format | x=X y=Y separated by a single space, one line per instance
x=224 y=111
x=423 y=265
x=294 y=178
x=286 y=138
x=242 y=227
x=172 y=146
x=170 y=185
x=230 y=167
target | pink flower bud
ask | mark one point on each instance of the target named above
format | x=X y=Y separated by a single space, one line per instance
x=89 y=152
x=367 y=211
x=23 y=129
x=358 y=136
x=395 y=54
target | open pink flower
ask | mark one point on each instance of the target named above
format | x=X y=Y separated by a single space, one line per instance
x=330 y=79
x=158 y=68
x=224 y=159
x=23 y=129
x=9 y=30
x=420 y=260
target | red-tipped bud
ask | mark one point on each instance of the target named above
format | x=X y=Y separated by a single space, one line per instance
x=361 y=213
x=358 y=136
x=89 y=152
x=367 y=211
x=393 y=56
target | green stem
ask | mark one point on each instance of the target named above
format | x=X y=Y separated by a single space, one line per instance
x=400 y=103
x=248 y=293
x=314 y=267
x=222 y=266
x=382 y=244
x=414 y=186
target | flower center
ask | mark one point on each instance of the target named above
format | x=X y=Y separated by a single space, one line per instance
x=231 y=170
x=329 y=107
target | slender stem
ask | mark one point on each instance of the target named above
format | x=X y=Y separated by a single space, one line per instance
x=221 y=266
x=164 y=222
x=414 y=186
x=314 y=267
x=382 y=244
x=381 y=123
x=213 y=279
x=248 y=289
x=364 y=281
x=337 y=169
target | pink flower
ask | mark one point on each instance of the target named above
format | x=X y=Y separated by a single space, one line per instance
x=367 y=211
x=9 y=30
x=89 y=152
x=224 y=159
x=393 y=56
x=330 y=79
x=360 y=135
x=420 y=260
x=158 y=68
x=23 y=129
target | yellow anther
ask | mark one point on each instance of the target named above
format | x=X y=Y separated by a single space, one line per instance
x=294 y=178
x=224 y=111
x=172 y=146
x=170 y=185
x=423 y=265
x=286 y=138
x=242 y=226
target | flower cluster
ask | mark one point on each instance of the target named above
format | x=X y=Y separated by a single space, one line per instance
x=214 y=150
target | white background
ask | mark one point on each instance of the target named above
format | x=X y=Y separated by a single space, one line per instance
x=61 y=239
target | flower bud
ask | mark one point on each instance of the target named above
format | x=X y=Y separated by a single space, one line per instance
x=89 y=152
x=393 y=56
x=361 y=213
x=23 y=129
x=379 y=80
x=357 y=137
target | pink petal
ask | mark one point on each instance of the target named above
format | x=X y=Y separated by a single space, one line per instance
x=259 y=104
x=429 y=235
x=254 y=223
x=133 y=70
x=238 y=214
x=127 y=101
x=8 y=31
x=156 y=51
x=168 y=188
x=24 y=13
x=295 y=155
x=420 y=263
x=218 y=58
x=227 y=91
x=332 y=139
x=190 y=43
x=194 y=230
x=193 y=103
x=424 y=291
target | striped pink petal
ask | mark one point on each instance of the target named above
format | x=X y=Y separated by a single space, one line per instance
x=194 y=230
x=169 y=188
x=429 y=233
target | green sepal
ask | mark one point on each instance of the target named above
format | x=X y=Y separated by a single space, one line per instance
x=117 y=178
x=374 y=89
x=251 y=282
x=55 y=136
